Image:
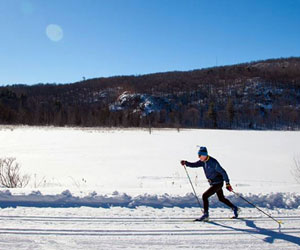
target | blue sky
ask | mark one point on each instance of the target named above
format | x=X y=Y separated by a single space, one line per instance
x=100 y=38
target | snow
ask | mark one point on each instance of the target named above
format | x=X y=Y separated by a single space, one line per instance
x=144 y=227
x=143 y=103
x=125 y=188
x=67 y=199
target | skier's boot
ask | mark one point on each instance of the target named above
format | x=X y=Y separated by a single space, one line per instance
x=236 y=212
x=204 y=217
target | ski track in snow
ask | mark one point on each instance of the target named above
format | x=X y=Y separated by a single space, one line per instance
x=146 y=228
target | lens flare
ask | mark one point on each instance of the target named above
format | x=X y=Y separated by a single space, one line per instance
x=54 y=32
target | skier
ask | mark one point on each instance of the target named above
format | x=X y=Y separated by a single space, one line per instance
x=216 y=176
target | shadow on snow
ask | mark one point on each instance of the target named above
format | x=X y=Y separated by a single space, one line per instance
x=271 y=235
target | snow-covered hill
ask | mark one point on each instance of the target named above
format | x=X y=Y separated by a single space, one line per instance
x=258 y=95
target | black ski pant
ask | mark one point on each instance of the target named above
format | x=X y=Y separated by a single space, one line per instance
x=215 y=188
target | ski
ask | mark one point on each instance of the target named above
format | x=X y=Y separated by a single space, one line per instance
x=226 y=219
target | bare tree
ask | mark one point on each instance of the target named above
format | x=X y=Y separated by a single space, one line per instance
x=296 y=168
x=10 y=175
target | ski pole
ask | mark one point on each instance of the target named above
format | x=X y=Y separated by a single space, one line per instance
x=192 y=187
x=278 y=221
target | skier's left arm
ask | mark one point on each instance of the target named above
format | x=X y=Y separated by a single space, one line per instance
x=222 y=171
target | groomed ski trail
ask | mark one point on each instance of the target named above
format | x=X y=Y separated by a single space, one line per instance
x=149 y=232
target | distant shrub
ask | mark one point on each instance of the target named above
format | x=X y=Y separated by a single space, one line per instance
x=10 y=175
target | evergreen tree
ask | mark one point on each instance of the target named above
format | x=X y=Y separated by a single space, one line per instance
x=212 y=115
x=230 y=112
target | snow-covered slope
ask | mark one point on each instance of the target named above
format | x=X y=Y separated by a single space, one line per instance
x=141 y=103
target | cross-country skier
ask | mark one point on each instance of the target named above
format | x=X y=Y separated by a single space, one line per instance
x=216 y=176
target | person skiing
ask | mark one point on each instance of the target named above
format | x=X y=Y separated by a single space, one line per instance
x=216 y=176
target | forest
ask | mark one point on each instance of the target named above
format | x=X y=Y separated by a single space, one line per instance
x=255 y=95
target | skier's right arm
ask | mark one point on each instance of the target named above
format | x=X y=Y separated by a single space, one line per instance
x=196 y=164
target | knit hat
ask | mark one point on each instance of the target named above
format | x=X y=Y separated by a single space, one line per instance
x=202 y=151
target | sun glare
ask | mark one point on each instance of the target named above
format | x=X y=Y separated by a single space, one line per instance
x=54 y=32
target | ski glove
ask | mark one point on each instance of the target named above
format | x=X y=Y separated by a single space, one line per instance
x=182 y=163
x=229 y=187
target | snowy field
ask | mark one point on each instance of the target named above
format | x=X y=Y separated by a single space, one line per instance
x=126 y=189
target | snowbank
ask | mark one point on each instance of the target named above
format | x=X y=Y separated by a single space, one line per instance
x=67 y=199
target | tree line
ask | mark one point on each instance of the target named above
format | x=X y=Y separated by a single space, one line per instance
x=256 y=95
